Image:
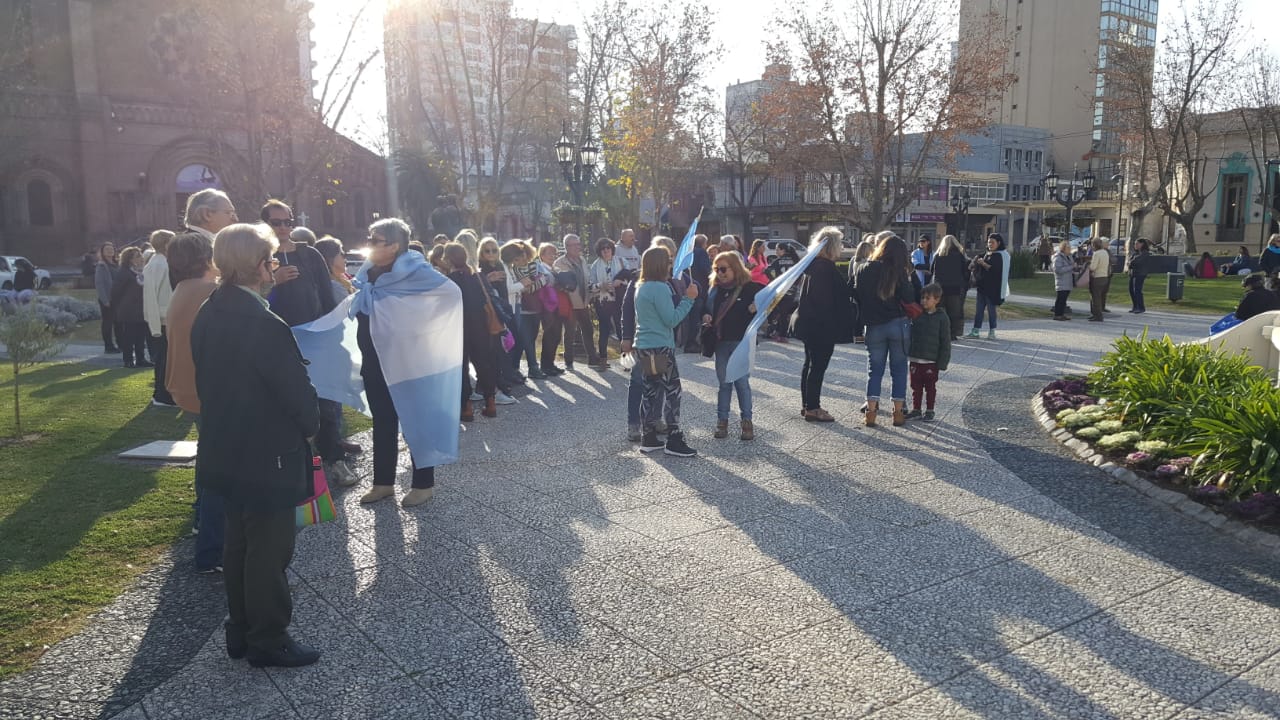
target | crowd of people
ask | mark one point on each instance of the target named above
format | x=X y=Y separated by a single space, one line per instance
x=216 y=310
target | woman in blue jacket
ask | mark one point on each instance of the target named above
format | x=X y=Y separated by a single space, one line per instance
x=655 y=347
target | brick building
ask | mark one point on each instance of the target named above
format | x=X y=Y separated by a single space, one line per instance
x=113 y=111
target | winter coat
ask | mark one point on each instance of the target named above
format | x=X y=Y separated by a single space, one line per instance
x=1064 y=269
x=825 y=314
x=951 y=271
x=931 y=338
x=873 y=309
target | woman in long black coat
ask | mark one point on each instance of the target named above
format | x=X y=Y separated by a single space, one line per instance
x=951 y=271
x=823 y=319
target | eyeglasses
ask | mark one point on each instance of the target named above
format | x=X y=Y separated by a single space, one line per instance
x=720 y=269
x=281 y=222
x=271 y=262
x=489 y=251
x=375 y=240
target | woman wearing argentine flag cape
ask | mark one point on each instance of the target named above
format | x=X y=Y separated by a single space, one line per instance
x=410 y=337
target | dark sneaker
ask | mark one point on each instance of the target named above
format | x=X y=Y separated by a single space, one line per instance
x=650 y=443
x=536 y=374
x=676 y=446
x=928 y=416
x=914 y=414
x=236 y=645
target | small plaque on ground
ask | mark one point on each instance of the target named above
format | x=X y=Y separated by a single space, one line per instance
x=165 y=450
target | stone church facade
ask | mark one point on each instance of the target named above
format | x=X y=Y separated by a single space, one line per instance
x=113 y=111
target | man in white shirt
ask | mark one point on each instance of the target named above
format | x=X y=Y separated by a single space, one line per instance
x=627 y=252
x=156 y=292
x=1099 y=279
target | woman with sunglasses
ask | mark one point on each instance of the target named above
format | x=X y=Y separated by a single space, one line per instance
x=731 y=304
x=606 y=291
x=493 y=277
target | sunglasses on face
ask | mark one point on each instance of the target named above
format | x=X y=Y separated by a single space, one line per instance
x=281 y=222
x=721 y=269
x=272 y=263
x=375 y=241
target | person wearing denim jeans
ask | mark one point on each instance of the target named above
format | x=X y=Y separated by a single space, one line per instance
x=882 y=287
x=730 y=306
x=1138 y=263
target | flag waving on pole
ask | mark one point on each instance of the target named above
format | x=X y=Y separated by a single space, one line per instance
x=743 y=358
x=684 y=255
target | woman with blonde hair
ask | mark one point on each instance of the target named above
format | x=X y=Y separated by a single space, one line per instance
x=156 y=294
x=823 y=319
x=757 y=263
x=951 y=271
x=656 y=319
x=469 y=240
x=730 y=305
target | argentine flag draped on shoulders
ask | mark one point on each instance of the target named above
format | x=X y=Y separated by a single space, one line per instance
x=743 y=358
x=415 y=322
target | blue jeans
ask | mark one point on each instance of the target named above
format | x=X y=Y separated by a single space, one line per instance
x=528 y=333
x=1135 y=291
x=888 y=343
x=984 y=303
x=724 y=349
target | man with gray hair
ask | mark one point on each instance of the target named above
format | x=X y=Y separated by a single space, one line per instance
x=208 y=211
x=572 y=264
x=303 y=236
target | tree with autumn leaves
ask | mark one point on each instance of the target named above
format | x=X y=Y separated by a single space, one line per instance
x=878 y=98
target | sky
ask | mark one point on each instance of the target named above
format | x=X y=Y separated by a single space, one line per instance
x=742 y=28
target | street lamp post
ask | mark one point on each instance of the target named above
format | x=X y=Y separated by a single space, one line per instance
x=1268 y=208
x=960 y=203
x=577 y=164
x=1075 y=193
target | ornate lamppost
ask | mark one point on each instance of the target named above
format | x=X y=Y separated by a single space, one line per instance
x=577 y=164
x=960 y=203
x=1076 y=192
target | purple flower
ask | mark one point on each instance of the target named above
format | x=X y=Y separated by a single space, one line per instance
x=1183 y=462
x=1137 y=458
x=1168 y=471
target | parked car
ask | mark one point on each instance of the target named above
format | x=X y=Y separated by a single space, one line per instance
x=43 y=280
x=773 y=248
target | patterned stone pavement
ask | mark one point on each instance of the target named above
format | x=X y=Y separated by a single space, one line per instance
x=963 y=568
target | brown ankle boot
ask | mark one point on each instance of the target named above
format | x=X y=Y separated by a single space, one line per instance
x=490 y=407
x=468 y=414
x=748 y=431
x=722 y=429
x=899 y=413
x=869 y=417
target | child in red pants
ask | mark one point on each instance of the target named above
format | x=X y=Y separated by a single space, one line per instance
x=930 y=351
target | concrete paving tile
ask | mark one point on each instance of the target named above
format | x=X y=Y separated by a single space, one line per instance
x=599 y=663
x=54 y=709
x=782 y=539
x=662 y=523
x=679 y=632
x=1252 y=696
x=326 y=550
x=502 y=685
x=972 y=697
x=544 y=512
x=599 y=499
x=215 y=685
x=755 y=608
x=673 y=698
x=398 y=699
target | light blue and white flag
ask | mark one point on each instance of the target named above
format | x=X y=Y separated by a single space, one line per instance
x=415 y=321
x=684 y=254
x=743 y=358
x=329 y=345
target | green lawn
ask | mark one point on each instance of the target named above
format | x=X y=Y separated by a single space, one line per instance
x=1214 y=297
x=76 y=524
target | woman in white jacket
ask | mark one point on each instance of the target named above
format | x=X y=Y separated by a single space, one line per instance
x=156 y=292
x=604 y=290
x=1064 y=268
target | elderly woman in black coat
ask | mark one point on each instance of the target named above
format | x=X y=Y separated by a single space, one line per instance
x=257 y=410
x=824 y=318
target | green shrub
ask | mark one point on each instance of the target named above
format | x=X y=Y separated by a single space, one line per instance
x=1023 y=265
x=1088 y=433
x=1110 y=426
x=1199 y=401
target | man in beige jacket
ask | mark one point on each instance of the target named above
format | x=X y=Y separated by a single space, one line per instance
x=1099 y=279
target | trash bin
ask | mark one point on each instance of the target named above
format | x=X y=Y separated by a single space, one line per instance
x=1176 y=282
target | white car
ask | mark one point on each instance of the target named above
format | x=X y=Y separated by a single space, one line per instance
x=43 y=279
x=773 y=248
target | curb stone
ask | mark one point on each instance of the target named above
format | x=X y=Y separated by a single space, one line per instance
x=1265 y=541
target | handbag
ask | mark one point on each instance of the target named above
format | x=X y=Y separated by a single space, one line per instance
x=319 y=507
x=653 y=363
x=1082 y=280
x=491 y=318
x=913 y=310
x=709 y=335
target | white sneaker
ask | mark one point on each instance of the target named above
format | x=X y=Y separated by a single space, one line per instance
x=503 y=399
x=340 y=473
x=477 y=397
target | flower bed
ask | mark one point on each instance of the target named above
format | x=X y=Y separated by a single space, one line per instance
x=1185 y=417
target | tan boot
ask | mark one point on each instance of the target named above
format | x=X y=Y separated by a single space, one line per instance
x=899 y=413
x=468 y=413
x=748 y=431
x=490 y=407
x=376 y=493
x=722 y=429
x=869 y=417
x=416 y=496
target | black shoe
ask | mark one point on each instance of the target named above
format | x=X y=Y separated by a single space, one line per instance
x=928 y=416
x=650 y=443
x=676 y=446
x=914 y=414
x=290 y=654
x=553 y=370
x=1139 y=312
x=129 y=364
x=236 y=644
x=145 y=364
x=536 y=374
